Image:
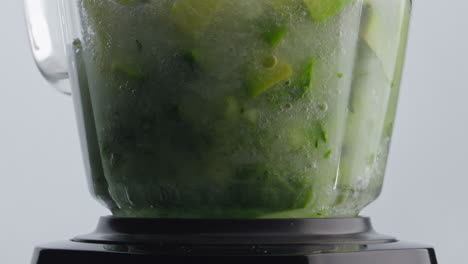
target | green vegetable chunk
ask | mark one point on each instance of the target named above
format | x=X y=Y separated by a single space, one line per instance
x=267 y=77
x=307 y=78
x=274 y=35
x=322 y=10
x=323 y=133
x=128 y=71
x=192 y=17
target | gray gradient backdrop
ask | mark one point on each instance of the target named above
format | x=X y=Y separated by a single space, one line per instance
x=43 y=192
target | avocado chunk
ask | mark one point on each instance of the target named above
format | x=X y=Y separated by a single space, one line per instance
x=298 y=88
x=267 y=77
x=321 y=10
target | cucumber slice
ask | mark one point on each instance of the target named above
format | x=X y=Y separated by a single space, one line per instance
x=366 y=120
x=322 y=10
x=374 y=96
x=396 y=81
x=382 y=25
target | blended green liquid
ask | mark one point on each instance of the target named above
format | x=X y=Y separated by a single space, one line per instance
x=239 y=108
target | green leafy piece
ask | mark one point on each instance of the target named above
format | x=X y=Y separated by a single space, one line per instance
x=128 y=70
x=266 y=78
x=327 y=155
x=192 y=17
x=274 y=35
x=130 y=2
x=306 y=78
x=322 y=10
x=323 y=133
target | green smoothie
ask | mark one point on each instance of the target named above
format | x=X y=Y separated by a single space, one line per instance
x=239 y=108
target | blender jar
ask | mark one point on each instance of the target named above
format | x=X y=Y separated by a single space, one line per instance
x=228 y=108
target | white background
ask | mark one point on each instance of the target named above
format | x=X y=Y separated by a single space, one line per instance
x=43 y=192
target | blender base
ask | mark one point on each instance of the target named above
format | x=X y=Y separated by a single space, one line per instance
x=212 y=241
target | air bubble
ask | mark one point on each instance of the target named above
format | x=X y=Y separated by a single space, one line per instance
x=270 y=61
x=323 y=107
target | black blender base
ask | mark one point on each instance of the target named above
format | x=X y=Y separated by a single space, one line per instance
x=80 y=253
x=285 y=241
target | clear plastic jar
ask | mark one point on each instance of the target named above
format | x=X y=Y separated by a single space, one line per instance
x=234 y=108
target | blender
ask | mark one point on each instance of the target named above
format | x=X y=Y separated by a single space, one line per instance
x=229 y=130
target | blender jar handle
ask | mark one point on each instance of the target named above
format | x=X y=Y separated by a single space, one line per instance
x=45 y=27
